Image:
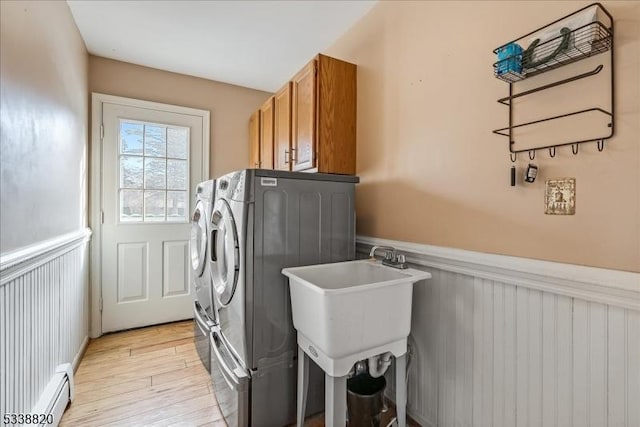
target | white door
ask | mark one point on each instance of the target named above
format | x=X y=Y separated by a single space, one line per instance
x=151 y=164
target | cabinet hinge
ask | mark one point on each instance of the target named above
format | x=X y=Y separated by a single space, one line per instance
x=101 y=131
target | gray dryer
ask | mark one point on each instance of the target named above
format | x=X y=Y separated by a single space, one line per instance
x=263 y=221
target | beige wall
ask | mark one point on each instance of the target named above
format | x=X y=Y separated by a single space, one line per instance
x=230 y=105
x=432 y=172
x=43 y=121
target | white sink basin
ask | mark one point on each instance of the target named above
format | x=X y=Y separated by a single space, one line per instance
x=349 y=311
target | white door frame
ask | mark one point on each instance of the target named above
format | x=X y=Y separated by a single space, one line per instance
x=95 y=195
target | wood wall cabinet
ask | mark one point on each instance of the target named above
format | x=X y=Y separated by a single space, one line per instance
x=314 y=120
x=282 y=129
x=304 y=118
x=254 y=140
x=266 y=134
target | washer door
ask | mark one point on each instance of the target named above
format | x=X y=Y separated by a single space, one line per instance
x=198 y=243
x=225 y=253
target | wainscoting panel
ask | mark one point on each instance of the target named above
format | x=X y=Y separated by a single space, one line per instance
x=44 y=312
x=493 y=353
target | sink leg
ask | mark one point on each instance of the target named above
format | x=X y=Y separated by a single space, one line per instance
x=303 y=382
x=335 y=401
x=401 y=390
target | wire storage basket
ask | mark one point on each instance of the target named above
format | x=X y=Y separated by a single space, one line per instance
x=569 y=46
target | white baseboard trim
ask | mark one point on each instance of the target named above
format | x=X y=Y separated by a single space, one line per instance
x=16 y=263
x=78 y=358
x=611 y=287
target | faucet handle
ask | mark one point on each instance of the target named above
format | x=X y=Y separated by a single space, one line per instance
x=401 y=259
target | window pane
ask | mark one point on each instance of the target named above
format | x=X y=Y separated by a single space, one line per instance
x=154 y=205
x=130 y=205
x=130 y=172
x=155 y=141
x=131 y=138
x=177 y=206
x=155 y=173
x=177 y=174
x=177 y=142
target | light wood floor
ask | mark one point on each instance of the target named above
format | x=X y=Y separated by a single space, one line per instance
x=144 y=377
x=149 y=377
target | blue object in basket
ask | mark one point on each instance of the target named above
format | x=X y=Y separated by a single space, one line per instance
x=509 y=59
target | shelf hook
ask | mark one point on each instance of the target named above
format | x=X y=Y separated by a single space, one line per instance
x=513 y=157
x=552 y=153
x=532 y=154
x=600 y=144
x=576 y=149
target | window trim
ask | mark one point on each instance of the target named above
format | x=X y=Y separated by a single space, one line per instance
x=143 y=189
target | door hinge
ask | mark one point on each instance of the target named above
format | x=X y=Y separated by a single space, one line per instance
x=101 y=217
x=101 y=131
x=100 y=303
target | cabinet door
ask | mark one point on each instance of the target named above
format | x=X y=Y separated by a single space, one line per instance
x=254 y=140
x=304 y=118
x=282 y=129
x=266 y=135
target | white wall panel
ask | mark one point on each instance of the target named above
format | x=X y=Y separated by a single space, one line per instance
x=564 y=361
x=43 y=322
x=580 y=363
x=491 y=353
x=597 y=368
x=616 y=364
x=522 y=356
x=632 y=369
x=510 y=362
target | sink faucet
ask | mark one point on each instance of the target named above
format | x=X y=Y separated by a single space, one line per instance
x=391 y=257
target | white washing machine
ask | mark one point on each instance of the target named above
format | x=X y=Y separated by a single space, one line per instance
x=204 y=313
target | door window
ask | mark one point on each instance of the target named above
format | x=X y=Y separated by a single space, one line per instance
x=153 y=172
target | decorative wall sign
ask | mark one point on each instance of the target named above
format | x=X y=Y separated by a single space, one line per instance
x=560 y=197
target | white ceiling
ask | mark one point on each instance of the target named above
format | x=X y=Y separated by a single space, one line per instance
x=257 y=44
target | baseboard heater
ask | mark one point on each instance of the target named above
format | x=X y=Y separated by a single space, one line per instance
x=56 y=396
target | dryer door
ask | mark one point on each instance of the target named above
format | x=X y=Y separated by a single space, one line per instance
x=198 y=243
x=225 y=253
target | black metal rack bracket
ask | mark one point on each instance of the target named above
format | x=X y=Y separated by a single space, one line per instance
x=507 y=99
x=595 y=36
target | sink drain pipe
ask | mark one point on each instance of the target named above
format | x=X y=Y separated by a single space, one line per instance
x=379 y=364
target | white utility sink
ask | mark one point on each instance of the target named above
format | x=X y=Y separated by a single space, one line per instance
x=349 y=311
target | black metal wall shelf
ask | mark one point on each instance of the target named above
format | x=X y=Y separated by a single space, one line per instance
x=568 y=47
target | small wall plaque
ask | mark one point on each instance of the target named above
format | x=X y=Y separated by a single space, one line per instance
x=560 y=197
